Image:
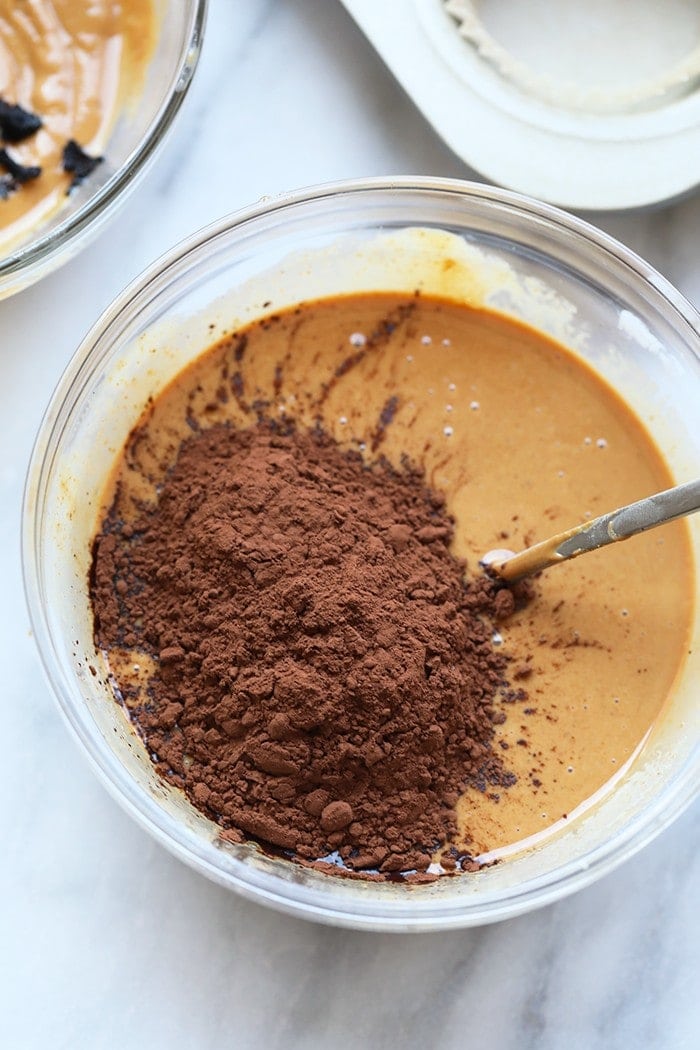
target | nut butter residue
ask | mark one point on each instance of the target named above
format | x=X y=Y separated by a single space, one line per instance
x=521 y=439
x=74 y=65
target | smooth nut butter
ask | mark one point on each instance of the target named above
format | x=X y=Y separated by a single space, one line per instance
x=521 y=440
x=75 y=66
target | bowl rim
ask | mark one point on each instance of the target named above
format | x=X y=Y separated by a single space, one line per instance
x=411 y=915
x=37 y=257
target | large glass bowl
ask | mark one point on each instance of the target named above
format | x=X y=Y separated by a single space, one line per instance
x=525 y=258
x=134 y=140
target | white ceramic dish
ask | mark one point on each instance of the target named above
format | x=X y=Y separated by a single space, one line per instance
x=628 y=143
x=524 y=258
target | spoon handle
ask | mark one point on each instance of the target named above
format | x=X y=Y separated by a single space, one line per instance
x=619 y=524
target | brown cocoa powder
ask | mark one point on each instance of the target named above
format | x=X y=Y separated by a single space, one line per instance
x=325 y=678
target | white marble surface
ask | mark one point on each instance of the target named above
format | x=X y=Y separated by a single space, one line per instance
x=107 y=941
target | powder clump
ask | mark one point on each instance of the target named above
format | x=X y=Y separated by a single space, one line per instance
x=324 y=678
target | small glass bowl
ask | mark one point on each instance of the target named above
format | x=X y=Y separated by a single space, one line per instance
x=134 y=141
x=528 y=260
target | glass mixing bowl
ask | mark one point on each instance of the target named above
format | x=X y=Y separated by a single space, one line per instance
x=524 y=258
x=134 y=141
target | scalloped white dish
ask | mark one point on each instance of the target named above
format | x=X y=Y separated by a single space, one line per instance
x=566 y=105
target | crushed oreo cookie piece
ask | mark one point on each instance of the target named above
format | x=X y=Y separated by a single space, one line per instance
x=78 y=163
x=17 y=123
x=7 y=185
x=19 y=172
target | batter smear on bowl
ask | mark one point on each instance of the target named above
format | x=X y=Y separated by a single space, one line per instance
x=286 y=590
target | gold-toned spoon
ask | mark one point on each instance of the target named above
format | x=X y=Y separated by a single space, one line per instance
x=619 y=524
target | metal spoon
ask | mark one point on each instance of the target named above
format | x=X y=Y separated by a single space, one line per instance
x=609 y=528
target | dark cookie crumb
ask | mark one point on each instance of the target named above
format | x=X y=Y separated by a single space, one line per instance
x=17 y=123
x=19 y=173
x=78 y=163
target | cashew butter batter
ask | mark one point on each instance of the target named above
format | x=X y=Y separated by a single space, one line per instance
x=523 y=440
x=74 y=65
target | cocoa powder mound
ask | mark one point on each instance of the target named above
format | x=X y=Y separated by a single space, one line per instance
x=325 y=680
